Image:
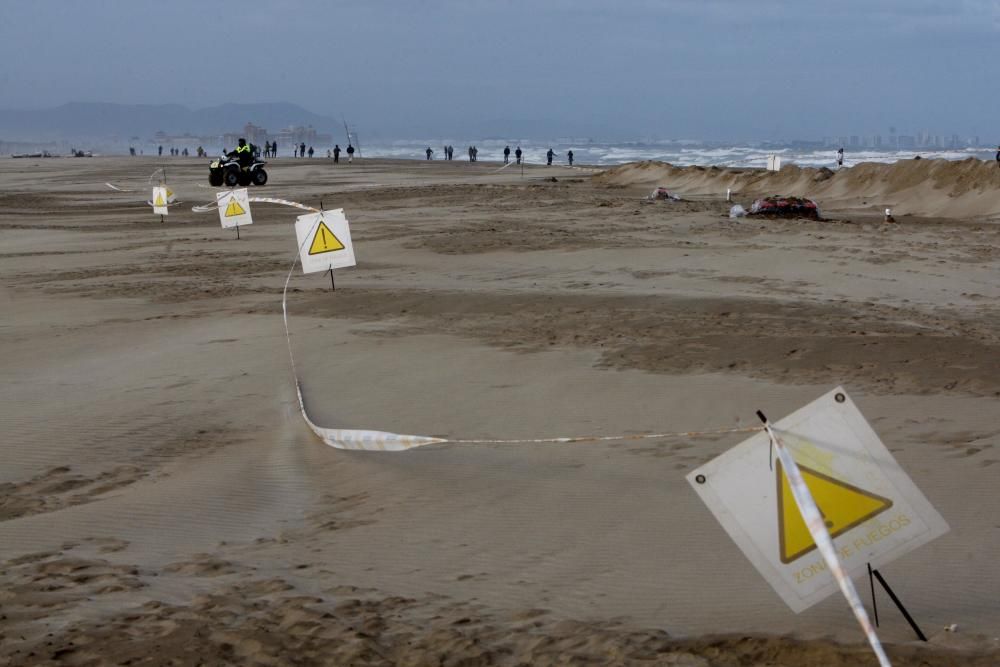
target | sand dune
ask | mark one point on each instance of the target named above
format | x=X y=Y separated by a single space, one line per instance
x=940 y=188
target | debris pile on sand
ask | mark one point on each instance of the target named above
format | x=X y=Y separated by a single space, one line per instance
x=784 y=207
x=662 y=194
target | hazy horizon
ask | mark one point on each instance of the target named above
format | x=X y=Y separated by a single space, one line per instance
x=714 y=70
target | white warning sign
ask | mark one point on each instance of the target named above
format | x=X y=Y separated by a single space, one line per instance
x=234 y=208
x=160 y=200
x=324 y=241
x=872 y=509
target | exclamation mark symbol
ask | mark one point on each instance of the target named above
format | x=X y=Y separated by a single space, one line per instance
x=323 y=232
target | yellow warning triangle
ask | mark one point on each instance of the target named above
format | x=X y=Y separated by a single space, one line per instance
x=843 y=505
x=324 y=241
x=234 y=208
x=159 y=200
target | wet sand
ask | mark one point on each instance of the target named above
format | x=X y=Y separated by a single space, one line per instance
x=162 y=502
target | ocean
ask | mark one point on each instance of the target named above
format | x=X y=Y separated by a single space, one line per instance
x=586 y=152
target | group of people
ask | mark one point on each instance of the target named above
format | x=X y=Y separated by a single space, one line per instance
x=248 y=150
x=336 y=153
x=270 y=149
x=449 y=152
x=549 y=155
x=176 y=152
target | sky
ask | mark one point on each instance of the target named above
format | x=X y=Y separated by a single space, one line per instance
x=703 y=69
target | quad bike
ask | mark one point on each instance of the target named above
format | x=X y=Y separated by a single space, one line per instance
x=229 y=172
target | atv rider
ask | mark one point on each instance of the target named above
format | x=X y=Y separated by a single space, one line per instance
x=243 y=153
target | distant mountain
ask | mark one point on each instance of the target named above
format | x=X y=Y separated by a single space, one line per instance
x=101 y=120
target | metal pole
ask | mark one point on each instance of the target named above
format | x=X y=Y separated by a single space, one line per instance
x=333 y=285
x=871 y=582
x=906 y=614
x=237 y=232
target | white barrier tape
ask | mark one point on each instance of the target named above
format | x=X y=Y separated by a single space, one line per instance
x=118 y=189
x=607 y=438
x=360 y=439
x=213 y=206
x=284 y=202
x=496 y=171
x=167 y=205
x=160 y=171
x=817 y=528
x=341 y=438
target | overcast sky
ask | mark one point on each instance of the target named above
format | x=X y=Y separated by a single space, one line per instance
x=713 y=69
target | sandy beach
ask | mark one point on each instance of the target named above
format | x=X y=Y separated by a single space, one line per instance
x=162 y=501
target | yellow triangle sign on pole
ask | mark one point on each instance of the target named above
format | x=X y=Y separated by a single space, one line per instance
x=324 y=241
x=843 y=505
x=234 y=208
x=159 y=200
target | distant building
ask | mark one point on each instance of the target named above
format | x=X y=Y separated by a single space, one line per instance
x=290 y=135
x=297 y=134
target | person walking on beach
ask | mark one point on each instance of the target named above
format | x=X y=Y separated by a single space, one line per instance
x=548 y=157
x=350 y=153
x=506 y=155
x=517 y=154
x=336 y=154
x=475 y=154
x=274 y=149
x=470 y=153
x=310 y=151
x=569 y=156
x=840 y=157
x=429 y=152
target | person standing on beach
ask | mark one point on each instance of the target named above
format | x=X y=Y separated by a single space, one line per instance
x=506 y=155
x=336 y=154
x=840 y=157
x=429 y=152
x=998 y=156
x=274 y=149
x=548 y=157
x=350 y=153
x=470 y=153
x=302 y=149
x=517 y=154
x=569 y=156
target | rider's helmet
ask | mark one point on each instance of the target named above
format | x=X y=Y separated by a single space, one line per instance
x=242 y=142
